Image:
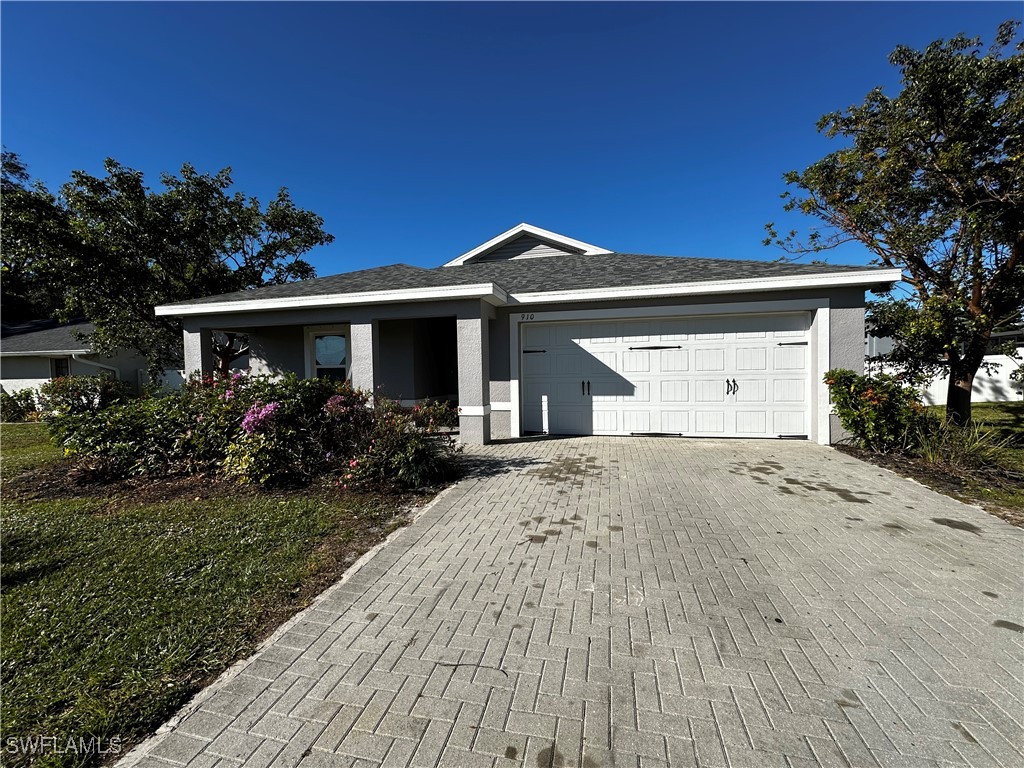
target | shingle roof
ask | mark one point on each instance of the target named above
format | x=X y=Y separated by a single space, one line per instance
x=43 y=336
x=554 y=273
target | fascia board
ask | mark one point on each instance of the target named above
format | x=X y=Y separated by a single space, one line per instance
x=826 y=280
x=489 y=292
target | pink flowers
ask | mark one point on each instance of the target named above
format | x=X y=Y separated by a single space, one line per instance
x=259 y=417
x=353 y=463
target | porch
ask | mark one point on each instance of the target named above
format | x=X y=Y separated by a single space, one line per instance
x=409 y=355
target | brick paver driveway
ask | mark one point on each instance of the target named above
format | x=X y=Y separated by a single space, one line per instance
x=598 y=602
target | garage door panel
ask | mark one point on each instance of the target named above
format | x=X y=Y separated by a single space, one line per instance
x=674 y=360
x=536 y=336
x=636 y=392
x=677 y=422
x=789 y=390
x=675 y=391
x=790 y=358
x=636 y=362
x=709 y=391
x=536 y=364
x=709 y=422
x=709 y=359
x=568 y=362
x=752 y=422
x=636 y=421
x=751 y=391
x=568 y=392
x=751 y=359
x=590 y=380
x=790 y=422
x=601 y=362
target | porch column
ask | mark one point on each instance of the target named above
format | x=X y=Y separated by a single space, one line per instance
x=472 y=339
x=198 y=350
x=364 y=355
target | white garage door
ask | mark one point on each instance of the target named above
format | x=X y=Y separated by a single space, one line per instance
x=735 y=376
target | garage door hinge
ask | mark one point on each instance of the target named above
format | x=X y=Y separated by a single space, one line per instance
x=533 y=351
x=792 y=344
x=631 y=349
x=792 y=437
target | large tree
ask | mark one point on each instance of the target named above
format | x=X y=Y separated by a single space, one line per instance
x=931 y=181
x=132 y=248
x=32 y=226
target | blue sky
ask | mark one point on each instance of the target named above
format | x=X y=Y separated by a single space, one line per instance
x=420 y=130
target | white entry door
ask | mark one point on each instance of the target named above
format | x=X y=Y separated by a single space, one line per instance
x=727 y=376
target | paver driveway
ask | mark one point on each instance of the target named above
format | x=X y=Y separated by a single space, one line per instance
x=599 y=602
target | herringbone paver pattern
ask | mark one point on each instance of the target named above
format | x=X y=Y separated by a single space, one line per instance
x=643 y=602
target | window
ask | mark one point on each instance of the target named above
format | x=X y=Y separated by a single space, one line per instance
x=327 y=352
x=330 y=359
x=59 y=366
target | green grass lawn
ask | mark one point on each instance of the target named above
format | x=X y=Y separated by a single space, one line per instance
x=1006 y=419
x=116 y=609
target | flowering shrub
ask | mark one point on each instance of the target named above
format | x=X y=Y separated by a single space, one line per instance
x=882 y=414
x=81 y=394
x=16 y=406
x=264 y=431
x=435 y=415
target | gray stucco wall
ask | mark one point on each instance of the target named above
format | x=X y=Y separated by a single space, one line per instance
x=277 y=350
x=20 y=372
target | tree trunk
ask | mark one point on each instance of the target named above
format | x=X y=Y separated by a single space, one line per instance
x=958 y=398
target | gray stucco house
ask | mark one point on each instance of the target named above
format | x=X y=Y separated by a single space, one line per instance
x=535 y=332
x=35 y=352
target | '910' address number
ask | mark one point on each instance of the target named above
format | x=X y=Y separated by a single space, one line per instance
x=526 y=316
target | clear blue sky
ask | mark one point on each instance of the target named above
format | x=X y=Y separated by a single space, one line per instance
x=420 y=130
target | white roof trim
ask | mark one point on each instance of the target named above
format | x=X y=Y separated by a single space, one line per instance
x=494 y=294
x=46 y=352
x=823 y=280
x=526 y=229
x=489 y=292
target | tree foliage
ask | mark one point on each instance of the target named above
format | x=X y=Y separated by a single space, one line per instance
x=931 y=181
x=125 y=248
x=32 y=227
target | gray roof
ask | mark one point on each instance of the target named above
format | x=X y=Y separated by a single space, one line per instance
x=43 y=336
x=553 y=273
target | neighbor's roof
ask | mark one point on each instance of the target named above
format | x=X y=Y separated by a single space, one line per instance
x=44 y=337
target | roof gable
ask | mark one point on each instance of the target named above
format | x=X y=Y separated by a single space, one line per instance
x=526 y=241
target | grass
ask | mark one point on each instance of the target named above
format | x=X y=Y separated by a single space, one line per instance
x=116 y=607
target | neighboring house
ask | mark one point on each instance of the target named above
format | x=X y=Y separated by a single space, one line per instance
x=36 y=352
x=535 y=332
x=997 y=385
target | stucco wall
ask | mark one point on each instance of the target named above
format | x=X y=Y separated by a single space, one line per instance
x=278 y=350
x=21 y=372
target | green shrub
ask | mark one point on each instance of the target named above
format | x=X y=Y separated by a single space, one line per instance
x=435 y=414
x=16 y=406
x=959 y=448
x=81 y=394
x=263 y=431
x=882 y=413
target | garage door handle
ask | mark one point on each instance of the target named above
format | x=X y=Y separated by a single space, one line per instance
x=728 y=387
x=588 y=387
x=583 y=387
x=735 y=387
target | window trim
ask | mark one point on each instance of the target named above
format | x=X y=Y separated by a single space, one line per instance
x=53 y=367
x=311 y=332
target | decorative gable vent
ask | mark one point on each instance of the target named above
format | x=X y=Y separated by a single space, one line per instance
x=526 y=241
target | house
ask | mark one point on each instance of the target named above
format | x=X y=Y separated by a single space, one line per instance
x=32 y=353
x=536 y=332
x=999 y=383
